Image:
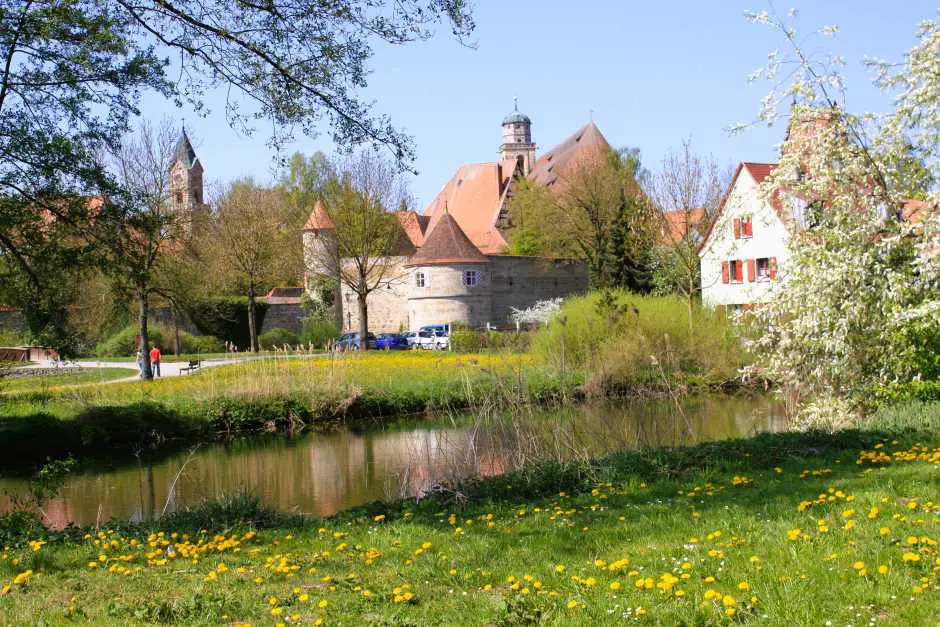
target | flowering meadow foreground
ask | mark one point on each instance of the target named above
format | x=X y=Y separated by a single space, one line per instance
x=789 y=529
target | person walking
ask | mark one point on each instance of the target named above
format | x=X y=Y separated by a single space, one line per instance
x=155 y=360
x=140 y=363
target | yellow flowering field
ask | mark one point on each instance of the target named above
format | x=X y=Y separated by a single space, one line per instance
x=789 y=529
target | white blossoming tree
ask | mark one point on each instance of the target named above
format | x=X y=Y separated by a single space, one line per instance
x=858 y=306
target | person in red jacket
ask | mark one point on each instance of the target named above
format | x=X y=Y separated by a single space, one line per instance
x=155 y=360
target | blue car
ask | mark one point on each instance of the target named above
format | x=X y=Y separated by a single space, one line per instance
x=351 y=342
x=391 y=341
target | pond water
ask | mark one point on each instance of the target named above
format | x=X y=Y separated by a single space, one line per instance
x=324 y=473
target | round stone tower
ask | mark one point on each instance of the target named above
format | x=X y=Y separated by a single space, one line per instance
x=321 y=260
x=517 y=139
x=449 y=279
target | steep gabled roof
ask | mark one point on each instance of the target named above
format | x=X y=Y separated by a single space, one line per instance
x=319 y=219
x=580 y=148
x=447 y=243
x=413 y=225
x=184 y=152
x=759 y=172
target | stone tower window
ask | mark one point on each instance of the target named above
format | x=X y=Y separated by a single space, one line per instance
x=471 y=278
x=420 y=279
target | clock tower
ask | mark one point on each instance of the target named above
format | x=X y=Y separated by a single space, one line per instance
x=186 y=197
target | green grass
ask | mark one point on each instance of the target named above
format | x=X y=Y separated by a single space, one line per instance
x=80 y=376
x=716 y=517
x=285 y=393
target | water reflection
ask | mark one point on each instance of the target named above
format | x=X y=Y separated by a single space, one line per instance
x=322 y=474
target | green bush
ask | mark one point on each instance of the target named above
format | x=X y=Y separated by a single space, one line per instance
x=464 y=339
x=622 y=340
x=318 y=331
x=226 y=318
x=276 y=338
x=124 y=342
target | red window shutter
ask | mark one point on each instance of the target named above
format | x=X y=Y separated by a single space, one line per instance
x=748 y=228
x=738 y=270
x=750 y=271
x=773 y=267
x=724 y=272
x=737 y=228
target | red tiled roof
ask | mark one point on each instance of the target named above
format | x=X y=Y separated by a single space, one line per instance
x=561 y=162
x=677 y=222
x=319 y=219
x=474 y=197
x=413 y=226
x=447 y=243
x=759 y=172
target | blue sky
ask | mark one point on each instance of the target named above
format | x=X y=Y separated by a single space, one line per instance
x=653 y=73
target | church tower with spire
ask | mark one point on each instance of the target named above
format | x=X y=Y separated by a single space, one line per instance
x=186 y=197
x=517 y=139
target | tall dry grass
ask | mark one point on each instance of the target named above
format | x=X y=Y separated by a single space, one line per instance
x=623 y=341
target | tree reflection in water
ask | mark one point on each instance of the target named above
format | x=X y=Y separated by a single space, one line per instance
x=323 y=473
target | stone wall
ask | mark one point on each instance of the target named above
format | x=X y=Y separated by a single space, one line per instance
x=520 y=282
x=283 y=316
x=388 y=304
x=445 y=299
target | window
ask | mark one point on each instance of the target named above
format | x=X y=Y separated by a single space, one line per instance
x=743 y=227
x=471 y=278
x=732 y=271
x=763 y=269
x=420 y=280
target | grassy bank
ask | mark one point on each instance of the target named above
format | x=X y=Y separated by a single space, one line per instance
x=48 y=382
x=285 y=394
x=760 y=530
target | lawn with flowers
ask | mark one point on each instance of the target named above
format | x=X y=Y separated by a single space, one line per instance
x=788 y=529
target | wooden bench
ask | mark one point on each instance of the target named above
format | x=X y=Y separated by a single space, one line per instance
x=192 y=367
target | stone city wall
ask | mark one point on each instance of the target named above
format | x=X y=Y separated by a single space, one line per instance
x=445 y=299
x=388 y=304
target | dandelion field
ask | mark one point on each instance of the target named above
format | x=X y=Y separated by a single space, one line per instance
x=786 y=529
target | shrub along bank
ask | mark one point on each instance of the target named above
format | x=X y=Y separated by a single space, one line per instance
x=756 y=530
x=277 y=394
x=623 y=342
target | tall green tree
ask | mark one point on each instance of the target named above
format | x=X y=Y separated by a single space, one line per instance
x=359 y=202
x=304 y=179
x=600 y=215
x=72 y=74
x=135 y=228
x=254 y=242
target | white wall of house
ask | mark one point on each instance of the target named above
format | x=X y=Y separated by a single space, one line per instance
x=769 y=241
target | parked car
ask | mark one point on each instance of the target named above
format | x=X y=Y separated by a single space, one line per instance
x=351 y=342
x=411 y=337
x=438 y=336
x=391 y=341
x=423 y=340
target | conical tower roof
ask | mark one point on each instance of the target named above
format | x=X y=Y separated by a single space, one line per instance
x=184 y=151
x=319 y=219
x=447 y=243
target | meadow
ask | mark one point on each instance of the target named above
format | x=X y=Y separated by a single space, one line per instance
x=785 y=529
x=286 y=394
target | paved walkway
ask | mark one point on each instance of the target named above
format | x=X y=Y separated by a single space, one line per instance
x=167 y=368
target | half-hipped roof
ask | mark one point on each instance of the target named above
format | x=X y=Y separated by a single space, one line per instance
x=474 y=197
x=447 y=243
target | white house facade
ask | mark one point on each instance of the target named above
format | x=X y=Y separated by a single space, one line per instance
x=746 y=248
